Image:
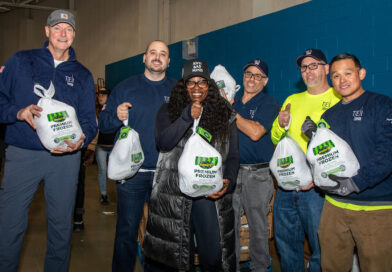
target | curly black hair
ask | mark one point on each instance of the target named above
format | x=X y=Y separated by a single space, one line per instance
x=216 y=112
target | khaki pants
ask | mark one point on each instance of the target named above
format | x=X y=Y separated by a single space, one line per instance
x=342 y=230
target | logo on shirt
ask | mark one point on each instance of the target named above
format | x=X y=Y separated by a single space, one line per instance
x=252 y=113
x=357 y=115
x=326 y=105
x=166 y=98
x=70 y=80
x=2 y=69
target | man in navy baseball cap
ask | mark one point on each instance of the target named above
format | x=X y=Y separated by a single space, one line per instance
x=313 y=53
x=256 y=112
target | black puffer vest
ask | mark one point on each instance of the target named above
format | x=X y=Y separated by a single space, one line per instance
x=167 y=235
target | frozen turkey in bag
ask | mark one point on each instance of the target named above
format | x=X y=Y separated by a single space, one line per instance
x=225 y=81
x=199 y=167
x=289 y=166
x=127 y=154
x=330 y=154
x=58 y=120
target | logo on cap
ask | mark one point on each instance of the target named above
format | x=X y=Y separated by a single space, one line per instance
x=257 y=62
x=308 y=52
x=197 y=67
x=64 y=16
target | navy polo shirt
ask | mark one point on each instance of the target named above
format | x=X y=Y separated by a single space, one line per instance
x=261 y=108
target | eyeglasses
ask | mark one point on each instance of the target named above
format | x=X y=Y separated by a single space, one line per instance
x=257 y=77
x=201 y=83
x=311 y=66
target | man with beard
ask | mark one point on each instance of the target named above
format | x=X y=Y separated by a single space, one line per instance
x=137 y=100
x=297 y=213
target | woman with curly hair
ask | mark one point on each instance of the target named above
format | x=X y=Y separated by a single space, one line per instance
x=175 y=218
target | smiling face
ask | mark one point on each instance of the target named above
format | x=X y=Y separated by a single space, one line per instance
x=251 y=84
x=317 y=78
x=60 y=37
x=346 y=79
x=197 y=93
x=156 y=59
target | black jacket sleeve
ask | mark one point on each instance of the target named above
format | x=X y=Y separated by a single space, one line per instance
x=233 y=158
x=168 y=134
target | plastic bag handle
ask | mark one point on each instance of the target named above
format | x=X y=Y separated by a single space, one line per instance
x=196 y=122
x=42 y=92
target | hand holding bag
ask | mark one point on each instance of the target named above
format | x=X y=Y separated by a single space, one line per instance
x=330 y=154
x=127 y=154
x=58 y=120
x=199 y=167
x=289 y=165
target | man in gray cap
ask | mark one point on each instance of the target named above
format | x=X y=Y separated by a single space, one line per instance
x=27 y=161
x=256 y=112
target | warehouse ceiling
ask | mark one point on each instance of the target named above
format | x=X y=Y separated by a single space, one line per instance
x=6 y=6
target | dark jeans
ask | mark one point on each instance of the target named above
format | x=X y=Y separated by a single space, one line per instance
x=131 y=197
x=297 y=214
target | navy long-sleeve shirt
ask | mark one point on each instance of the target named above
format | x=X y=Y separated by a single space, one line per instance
x=146 y=97
x=74 y=85
x=366 y=125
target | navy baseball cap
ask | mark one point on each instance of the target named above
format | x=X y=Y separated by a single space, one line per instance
x=313 y=53
x=103 y=91
x=196 y=68
x=263 y=67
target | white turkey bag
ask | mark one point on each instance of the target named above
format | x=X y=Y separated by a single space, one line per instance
x=330 y=154
x=199 y=167
x=289 y=166
x=127 y=155
x=225 y=81
x=58 y=120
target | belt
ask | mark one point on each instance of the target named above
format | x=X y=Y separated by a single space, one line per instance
x=256 y=166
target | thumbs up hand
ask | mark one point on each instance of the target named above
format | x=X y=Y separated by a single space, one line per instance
x=284 y=116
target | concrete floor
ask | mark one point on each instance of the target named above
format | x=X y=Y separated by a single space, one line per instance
x=92 y=249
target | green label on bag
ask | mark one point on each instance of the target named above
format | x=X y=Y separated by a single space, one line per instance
x=124 y=133
x=285 y=162
x=323 y=148
x=221 y=84
x=322 y=124
x=57 y=116
x=204 y=133
x=206 y=162
x=137 y=157
x=292 y=182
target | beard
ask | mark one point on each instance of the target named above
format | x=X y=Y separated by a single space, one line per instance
x=151 y=68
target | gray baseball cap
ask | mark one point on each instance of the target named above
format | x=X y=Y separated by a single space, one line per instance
x=61 y=16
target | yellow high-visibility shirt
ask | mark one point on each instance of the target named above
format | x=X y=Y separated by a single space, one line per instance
x=304 y=104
